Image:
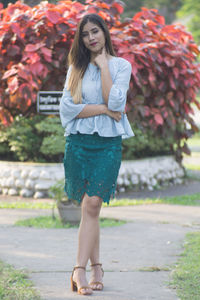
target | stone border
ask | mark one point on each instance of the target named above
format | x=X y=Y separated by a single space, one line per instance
x=35 y=179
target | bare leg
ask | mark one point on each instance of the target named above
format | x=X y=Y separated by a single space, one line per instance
x=88 y=235
x=97 y=273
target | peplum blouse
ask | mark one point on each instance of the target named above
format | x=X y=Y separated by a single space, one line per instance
x=120 y=70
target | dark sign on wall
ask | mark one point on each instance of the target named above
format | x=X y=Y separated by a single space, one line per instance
x=48 y=102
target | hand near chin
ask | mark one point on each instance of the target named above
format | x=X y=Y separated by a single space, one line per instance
x=102 y=58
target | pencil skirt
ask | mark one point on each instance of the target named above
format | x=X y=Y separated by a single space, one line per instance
x=91 y=164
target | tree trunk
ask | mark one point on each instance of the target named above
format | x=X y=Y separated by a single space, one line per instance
x=31 y=2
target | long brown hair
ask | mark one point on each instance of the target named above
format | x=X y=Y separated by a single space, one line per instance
x=79 y=56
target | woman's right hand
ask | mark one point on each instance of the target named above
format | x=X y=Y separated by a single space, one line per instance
x=116 y=115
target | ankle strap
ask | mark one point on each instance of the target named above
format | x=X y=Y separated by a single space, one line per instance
x=79 y=267
x=97 y=264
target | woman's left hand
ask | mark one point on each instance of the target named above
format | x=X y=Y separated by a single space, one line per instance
x=101 y=60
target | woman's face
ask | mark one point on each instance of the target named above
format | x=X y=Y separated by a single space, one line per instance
x=93 y=37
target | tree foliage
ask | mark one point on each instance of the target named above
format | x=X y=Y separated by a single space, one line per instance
x=191 y=9
x=167 y=8
x=35 y=43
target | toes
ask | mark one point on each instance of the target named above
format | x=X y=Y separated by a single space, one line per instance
x=96 y=287
x=86 y=291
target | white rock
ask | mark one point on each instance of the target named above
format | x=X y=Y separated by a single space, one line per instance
x=59 y=175
x=136 y=170
x=43 y=185
x=26 y=193
x=119 y=180
x=5 y=191
x=148 y=181
x=38 y=195
x=6 y=173
x=15 y=173
x=159 y=176
x=150 y=187
x=180 y=172
x=122 y=170
x=24 y=174
x=45 y=175
x=10 y=182
x=178 y=181
x=19 y=183
x=134 y=179
x=34 y=174
x=29 y=184
x=143 y=179
x=122 y=190
x=164 y=176
x=173 y=174
x=126 y=181
x=168 y=175
x=154 y=182
x=3 y=182
x=13 y=192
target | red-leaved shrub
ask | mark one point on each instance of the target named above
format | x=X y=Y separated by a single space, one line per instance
x=34 y=44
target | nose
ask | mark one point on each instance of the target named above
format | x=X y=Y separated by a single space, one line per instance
x=91 y=37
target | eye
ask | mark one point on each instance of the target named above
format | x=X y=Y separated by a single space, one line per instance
x=95 y=31
x=84 y=34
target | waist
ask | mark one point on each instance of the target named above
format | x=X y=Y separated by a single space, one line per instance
x=93 y=139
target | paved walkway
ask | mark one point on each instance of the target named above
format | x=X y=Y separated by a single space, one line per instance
x=151 y=240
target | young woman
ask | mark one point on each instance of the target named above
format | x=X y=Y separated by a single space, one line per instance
x=92 y=113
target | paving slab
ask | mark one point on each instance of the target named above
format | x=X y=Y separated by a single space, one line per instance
x=9 y=217
x=151 y=240
x=157 y=213
x=119 y=285
x=126 y=251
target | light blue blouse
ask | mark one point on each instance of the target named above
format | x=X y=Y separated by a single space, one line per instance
x=120 y=70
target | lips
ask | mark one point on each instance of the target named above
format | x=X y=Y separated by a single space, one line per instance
x=93 y=44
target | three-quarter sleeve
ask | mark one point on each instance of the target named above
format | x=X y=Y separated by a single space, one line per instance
x=68 y=109
x=118 y=92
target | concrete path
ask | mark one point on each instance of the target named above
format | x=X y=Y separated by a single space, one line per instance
x=151 y=240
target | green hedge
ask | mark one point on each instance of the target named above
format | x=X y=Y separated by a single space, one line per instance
x=41 y=139
x=38 y=139
x=145 y=144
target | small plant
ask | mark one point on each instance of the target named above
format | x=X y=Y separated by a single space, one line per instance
x=69 y=210
x=57 y=192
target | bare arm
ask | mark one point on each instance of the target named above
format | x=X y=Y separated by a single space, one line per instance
x=91 y=110
x=106 y=81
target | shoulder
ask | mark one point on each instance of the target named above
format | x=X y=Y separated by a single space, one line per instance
x=121 y=63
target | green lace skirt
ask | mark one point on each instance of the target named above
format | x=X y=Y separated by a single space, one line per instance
x=91 y=164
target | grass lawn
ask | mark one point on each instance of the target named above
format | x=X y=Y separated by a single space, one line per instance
x=186 y=276
x=26 y=205
x=193 y=199
x=192 y=162
x=14 y=284
x=49 y=222
x=194 y=141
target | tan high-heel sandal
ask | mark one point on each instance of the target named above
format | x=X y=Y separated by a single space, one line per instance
x=74 y=284
x=97 y=282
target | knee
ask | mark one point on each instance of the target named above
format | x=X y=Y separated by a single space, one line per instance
x=91 y=205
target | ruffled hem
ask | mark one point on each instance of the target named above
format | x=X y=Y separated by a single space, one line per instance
x=97 y=125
